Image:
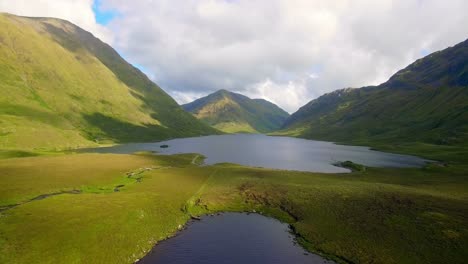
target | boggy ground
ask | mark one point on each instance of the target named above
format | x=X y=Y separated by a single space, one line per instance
x=109 y=208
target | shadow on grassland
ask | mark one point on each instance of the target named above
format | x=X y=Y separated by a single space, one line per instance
x=108 y=128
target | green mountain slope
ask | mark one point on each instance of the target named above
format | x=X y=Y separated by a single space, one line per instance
x=63 y=88
x=232 y=113
x=426 y=102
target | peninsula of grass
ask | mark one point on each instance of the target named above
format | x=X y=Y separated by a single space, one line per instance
x=109 y=208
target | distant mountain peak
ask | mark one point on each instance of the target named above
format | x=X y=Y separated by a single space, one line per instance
x=223 y=91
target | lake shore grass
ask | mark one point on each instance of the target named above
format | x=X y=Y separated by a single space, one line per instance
x=124 y=204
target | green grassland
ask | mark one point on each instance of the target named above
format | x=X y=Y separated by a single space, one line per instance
x=118 y=206
x=98 y=225
x=235 y=127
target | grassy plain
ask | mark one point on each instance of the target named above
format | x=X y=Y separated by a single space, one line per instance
x=126 y=203
x=99 y=224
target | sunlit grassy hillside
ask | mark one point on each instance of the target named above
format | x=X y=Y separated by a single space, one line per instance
x=63 y=88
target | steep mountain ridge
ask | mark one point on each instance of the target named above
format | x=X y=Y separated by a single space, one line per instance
x=64 y=88
x=233 y=113
x=424 y=102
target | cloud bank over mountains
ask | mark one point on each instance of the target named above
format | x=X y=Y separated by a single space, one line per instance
x=286 y=51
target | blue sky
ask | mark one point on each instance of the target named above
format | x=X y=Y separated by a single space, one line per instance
x=103 y=17
x=424 y=52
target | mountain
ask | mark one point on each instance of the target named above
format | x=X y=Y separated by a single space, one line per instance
x=64 y=88
x=426 y=102
x=231 y=112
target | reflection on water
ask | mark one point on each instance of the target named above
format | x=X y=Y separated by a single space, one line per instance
x=273 y=152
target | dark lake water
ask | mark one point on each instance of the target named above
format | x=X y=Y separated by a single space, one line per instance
x=232 y=238
x=272 y=152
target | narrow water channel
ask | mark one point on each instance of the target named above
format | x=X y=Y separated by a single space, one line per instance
x=232 y=238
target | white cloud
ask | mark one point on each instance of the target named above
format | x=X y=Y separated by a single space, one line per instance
x=288 y=51
x=289 y=95
x=79 y=12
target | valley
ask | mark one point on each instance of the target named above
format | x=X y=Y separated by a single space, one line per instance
x=98 y=164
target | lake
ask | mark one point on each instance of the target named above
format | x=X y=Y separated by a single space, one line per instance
x=232 y=238
x=284 y=153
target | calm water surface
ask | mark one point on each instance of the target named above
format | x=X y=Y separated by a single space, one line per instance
x=273 y=152
x=232 y=238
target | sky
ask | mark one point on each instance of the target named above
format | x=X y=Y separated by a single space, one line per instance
x=286 y=51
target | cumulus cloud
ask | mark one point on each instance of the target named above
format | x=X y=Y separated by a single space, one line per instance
x=79 y=12
x=286 y=51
